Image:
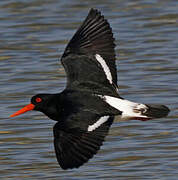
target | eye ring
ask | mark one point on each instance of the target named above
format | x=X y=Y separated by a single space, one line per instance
x=38 y=99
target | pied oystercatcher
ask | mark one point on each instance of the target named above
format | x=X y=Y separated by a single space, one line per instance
x=86 y=108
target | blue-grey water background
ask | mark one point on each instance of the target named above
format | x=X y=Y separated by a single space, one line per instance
x=33 y=36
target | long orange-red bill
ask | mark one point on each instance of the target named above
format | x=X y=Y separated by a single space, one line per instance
x=28 y=107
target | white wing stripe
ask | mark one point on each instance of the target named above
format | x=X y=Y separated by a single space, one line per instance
x=105 y=67
x=98 y=123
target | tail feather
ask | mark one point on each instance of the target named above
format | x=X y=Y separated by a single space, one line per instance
x=156 y=111
x=136 y=111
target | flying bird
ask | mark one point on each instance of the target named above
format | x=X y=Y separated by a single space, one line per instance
x=86 y=108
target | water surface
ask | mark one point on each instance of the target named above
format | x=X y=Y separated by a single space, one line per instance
x=33 y=36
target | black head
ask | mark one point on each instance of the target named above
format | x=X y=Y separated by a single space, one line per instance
x=46 y=103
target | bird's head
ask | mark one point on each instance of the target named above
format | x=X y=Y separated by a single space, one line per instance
x=43 y=103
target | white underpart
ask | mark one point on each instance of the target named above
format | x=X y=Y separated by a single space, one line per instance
x=98 y=123
x=128 y=108
x=105 y=67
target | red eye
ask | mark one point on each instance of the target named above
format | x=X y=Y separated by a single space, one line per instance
x=38 y=100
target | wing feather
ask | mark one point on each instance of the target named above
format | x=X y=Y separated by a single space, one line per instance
x=93 y=37
x=74 y=146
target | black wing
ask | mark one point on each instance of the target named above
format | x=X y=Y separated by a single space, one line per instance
x=75 y=146
x=94 y=39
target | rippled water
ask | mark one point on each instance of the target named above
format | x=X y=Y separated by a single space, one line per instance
x=33 y=35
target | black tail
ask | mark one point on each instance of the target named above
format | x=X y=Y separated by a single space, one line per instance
x=156 y=111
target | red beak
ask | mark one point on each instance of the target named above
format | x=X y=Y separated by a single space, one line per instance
x=28 y=107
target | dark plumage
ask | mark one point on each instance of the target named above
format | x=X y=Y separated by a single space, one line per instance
x=86 y=108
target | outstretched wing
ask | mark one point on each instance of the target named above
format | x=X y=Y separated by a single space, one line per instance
x=89 y=58
x=74 y=146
